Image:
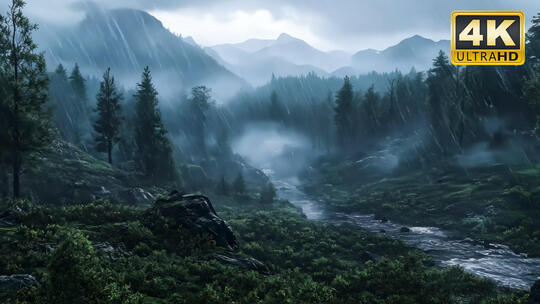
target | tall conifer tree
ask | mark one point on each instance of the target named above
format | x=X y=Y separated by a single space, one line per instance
x=27 y=124
x=344 y=113
x=153 y=149
x=107 y=126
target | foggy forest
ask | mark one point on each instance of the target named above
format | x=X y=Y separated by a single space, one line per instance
x=137 y=166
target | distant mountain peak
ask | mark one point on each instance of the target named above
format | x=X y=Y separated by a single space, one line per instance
x=284 y=37
x=416 y=39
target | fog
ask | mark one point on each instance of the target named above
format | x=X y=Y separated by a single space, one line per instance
x=281 y=152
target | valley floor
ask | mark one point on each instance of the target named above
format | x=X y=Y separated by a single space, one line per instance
x=114 y=257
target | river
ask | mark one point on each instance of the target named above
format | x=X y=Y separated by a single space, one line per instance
x=493 y=261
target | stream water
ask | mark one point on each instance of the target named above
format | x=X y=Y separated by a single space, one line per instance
x=494 y=261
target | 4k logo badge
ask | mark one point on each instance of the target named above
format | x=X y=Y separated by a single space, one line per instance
x=488 y=38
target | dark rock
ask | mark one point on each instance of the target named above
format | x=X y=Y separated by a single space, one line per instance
x=14 y=282
x=137 y=196
x=110 y=250
x=381 y=218
x=11 y=216
x=534 y=295
x=404 y=230
x=382 y=231
x=246 y=263
x=195 y=213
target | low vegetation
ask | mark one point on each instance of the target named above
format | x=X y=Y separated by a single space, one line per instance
x=103 y=253
x=497 y=203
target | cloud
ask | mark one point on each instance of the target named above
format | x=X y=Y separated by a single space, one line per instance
x=345 y=24
x=209 y=28
x=327 y=24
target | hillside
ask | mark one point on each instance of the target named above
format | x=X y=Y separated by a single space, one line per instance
x=127 y=40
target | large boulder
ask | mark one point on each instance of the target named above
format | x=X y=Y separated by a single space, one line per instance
x=12 y=283
x=195 y=213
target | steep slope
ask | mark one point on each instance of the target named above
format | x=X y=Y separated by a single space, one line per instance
x=127 y=40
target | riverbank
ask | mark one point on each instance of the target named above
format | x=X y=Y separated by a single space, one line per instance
x=496 y=262
x=493 y=204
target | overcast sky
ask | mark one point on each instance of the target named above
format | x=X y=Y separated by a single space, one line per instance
x=348 y=25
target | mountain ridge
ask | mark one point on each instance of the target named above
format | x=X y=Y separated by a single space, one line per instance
x=297 y=55
x=127 y=40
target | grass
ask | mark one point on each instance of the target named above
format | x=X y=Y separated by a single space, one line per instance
x=497 y=203
x=306 y=261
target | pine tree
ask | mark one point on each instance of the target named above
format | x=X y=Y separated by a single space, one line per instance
x=533 y=39
x=27 y=129
x=371 y=122
x=61 y=101
x=78 y=83
x=199 y=105
x=107 y=126
x=222 y=187
x=268 y=194
x=4 y=124
x=80 y=108
x=440 y=82
x=239 y=186
x=153 y=152
x=531 y=88
x=277 y=112
x=344 y=113
x=531 y=93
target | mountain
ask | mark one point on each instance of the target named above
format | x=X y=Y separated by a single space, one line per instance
x=127 y=40
x=300 y=52
x=257 y=59
x=249 y=46
x=416 y=51
x=258 y=70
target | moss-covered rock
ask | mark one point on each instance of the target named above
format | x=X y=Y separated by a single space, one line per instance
x=194 y=213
